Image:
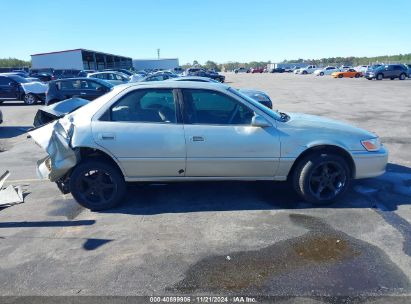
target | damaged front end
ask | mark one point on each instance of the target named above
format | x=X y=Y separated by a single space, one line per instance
x=55 y=139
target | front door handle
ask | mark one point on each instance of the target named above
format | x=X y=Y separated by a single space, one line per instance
x=197 y=138
x=106 y=136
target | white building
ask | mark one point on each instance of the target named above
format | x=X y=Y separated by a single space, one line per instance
x=155 y=64
x=79 y=59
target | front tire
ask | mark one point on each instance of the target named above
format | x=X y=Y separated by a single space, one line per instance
x=321 y=178
x=321 y=74
x=340 y=76
x=402 y=76
x=97 y=185
x=379 y=77
x=357 y=75
x=30 y=99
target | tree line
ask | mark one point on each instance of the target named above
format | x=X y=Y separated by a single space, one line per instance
x=337 y=61
x=14 y=63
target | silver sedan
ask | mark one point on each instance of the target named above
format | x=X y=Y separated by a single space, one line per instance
x=192 y=131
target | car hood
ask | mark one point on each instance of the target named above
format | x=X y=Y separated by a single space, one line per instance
x=310 y=130
x=34 y=87
x=324 y=125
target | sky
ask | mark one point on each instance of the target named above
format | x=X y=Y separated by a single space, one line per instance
x=217 y=30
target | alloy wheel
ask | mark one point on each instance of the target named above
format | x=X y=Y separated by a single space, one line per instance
x=327 y=180
x=29 y=99
x=96 y=186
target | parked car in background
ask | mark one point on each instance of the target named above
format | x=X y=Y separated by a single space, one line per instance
x=178 y=70
x=241 y=70
x=326 y=71
x=44 y=77
x=362 y=68
x=14 y=87
x=307 y=70
x=258 y=96
x=256 y=70
x=141 y=73
x=190 y=71
x=390 y=71
x=194 y=78
x=114 y=78
x=124 y=71
x=85 y=88
x=84 y=73
x=344 y=68
x=24 y=75
x=408 y=66
x=61 y=74
x=277 y=70
x=210 y=140
x=374 y=66
x=159 y=76
x=212 y=75
x=347 y=73
x=57 y=110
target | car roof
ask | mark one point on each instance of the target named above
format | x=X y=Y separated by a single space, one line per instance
x=174 y=85
x=193 y=78
x=107 y=72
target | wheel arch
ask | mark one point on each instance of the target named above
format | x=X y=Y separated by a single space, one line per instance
x=88 y=152
x=324 y=148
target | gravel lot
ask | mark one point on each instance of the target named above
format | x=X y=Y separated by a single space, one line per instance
x=221 y=238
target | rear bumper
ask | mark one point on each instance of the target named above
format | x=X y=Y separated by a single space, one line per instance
x=370 y=164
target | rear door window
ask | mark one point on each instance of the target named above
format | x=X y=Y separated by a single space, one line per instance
x=150 y=105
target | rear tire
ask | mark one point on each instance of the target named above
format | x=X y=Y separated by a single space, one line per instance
x=321 y=178
x=340 y=75
x=322 y=74
x=304 y=72
x=97 y=185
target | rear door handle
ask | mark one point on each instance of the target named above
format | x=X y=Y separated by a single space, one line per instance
x=197 y=138
x=106 y=136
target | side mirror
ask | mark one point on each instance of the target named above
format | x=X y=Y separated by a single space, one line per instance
x=101 y=89
x=259 y=121
x=12 y=84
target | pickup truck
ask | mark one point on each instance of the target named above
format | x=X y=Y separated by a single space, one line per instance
x=307 y=70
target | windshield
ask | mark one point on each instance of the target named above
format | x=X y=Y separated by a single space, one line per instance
x=18 y=78
x=263 y=108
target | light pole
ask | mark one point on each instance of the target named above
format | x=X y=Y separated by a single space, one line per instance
x=158 y=53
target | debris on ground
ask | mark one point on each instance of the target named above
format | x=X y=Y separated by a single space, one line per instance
x=10 y=195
